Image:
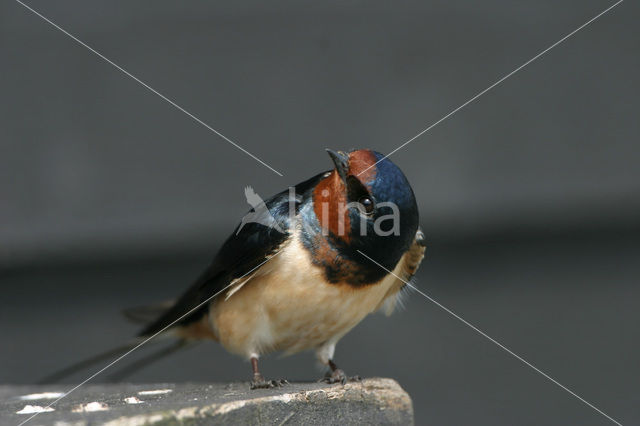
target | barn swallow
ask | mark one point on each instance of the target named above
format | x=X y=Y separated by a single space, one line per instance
x=302 y=285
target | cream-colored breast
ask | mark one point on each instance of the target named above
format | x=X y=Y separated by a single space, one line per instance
x=288 y=306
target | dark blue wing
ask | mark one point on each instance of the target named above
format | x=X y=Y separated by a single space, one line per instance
x=249 y=245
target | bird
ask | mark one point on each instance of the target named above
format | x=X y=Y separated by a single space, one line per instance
x=305 y=283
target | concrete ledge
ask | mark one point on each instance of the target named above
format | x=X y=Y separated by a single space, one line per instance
x=379 y=401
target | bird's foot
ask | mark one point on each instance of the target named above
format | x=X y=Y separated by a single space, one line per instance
x=259 y=382
x=338 y=376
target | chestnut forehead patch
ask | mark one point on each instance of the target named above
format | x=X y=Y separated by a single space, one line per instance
x=360 y=162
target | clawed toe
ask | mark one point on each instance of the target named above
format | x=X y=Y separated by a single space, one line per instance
x=260 y=383
x=336 y=376
x=266 y=384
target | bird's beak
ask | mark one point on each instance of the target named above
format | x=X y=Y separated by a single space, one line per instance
x=341 y=161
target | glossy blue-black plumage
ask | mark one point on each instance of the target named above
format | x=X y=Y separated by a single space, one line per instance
x=390 y=188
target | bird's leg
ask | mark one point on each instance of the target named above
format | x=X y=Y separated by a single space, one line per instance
x=325 y=354
x=259 y=382
x=337 y=375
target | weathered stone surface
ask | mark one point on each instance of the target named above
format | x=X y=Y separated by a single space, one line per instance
x=379 y=401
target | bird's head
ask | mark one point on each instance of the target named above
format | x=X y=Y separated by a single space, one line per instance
x=366 y=203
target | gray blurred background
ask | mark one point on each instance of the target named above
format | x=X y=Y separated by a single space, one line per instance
x=111 y=198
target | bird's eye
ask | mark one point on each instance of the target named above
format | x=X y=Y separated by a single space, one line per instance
x=366 y=204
